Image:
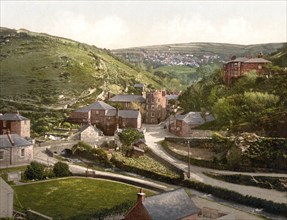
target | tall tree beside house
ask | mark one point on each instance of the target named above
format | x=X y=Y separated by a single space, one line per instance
x=128 y=137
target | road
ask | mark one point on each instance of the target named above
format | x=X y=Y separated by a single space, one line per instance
x=155 y=133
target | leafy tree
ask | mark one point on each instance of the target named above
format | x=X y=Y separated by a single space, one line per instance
x=129 y=136
x=34 y=171
x=61 y=169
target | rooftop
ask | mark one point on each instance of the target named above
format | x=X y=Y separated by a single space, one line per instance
x=257 y=60
x=127 y=98
x=129 y=113
x=99 y=105
x=171 y=205
x=17 y=140
x=12 y=117
x=195 y=118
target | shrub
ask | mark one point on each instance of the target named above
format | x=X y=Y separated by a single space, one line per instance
x=34 y=171
x=61 y=169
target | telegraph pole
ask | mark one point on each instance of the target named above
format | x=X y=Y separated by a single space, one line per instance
x=188 y=168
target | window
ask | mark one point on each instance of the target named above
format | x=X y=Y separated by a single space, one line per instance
x=97 y=112
x=4 y=124
x=158 y=100
x=259 y=67
x=1 y=155
x=152 y=114
x=152 y=107
x=22 y=153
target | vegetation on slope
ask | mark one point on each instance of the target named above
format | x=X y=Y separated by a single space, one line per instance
x=252 y=103
x=42 y=70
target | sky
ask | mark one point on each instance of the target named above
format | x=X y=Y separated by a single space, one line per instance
x=124 y=24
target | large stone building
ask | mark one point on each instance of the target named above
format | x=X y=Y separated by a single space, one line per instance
x=156 y=107
x=173 y=205
x=237 y=67
x=15 y=123
x=15 y=150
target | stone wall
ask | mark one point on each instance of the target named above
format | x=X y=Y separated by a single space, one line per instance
x=201 y=142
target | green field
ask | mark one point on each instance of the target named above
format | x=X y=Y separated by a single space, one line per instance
x=74 y=197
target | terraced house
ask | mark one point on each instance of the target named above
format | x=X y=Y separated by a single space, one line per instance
x=106 y=117
x=237 y=67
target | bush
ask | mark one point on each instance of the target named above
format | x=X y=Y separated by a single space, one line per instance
x=34 y=171
x=61 y=169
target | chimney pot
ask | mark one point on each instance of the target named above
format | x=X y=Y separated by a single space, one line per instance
x=141 y=195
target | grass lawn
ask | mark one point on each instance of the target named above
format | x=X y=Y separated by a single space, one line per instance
x=67 y=198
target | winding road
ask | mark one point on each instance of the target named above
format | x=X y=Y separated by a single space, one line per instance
x=156 y=133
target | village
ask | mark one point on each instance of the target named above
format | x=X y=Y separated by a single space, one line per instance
x=157 y=116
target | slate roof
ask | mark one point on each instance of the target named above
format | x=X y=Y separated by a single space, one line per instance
x=83 y=128
x=111 y=112
x=129 y=113
x=247 y=60
x=12 y=117
x=99 y=105
x=257 y=60
x=18 y=141
x=194 y=118
x=127 y=98
x=171 y=205
x=172 y=97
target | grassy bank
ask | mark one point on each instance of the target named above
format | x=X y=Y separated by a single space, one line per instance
x=75 y=198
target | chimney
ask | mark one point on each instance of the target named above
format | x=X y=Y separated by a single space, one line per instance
x=10 y=138
x=233 y=57
x=260 y=55
x=141 y=195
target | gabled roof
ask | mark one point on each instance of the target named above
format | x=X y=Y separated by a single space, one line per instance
x=83 y=128
x=99 y=105
x=257 y=60
x=18 y=141
x=12 y=117
x=194 y=118
x=129 y=113
x=127 y=98
x=171 y=205
x=111 y=112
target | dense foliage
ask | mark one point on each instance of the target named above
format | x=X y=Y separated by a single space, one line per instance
x=95 y=155
x=251 y=103
x=127 y=137
x=61 y=169
x=34 y=171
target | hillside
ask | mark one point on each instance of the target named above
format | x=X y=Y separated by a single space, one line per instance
x=191 y=54
x=48 y=72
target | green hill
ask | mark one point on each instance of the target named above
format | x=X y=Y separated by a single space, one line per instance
x=48 y=72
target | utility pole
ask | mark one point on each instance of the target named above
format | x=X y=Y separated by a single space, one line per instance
x=188 y=168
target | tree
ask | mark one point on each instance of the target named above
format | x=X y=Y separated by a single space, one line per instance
x=61 y=169
x=129 y=136
x=34 y=171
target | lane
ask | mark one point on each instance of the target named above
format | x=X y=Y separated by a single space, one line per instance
x=155 y=133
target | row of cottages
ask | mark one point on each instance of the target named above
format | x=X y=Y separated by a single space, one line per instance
x=106 y=117
x=16 y=147
x=154 y=104
x=184 y=125
x=237 y=67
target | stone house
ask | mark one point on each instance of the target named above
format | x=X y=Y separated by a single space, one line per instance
x=15 y=123
x=184 y=124
x=172 y=205
x=15 y=150
x=87 y=133
x=129 y=119
x=156 y=107
x=6 y=200
x=237 y=67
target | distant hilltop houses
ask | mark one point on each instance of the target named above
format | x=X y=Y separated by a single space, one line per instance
x=237 y=67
